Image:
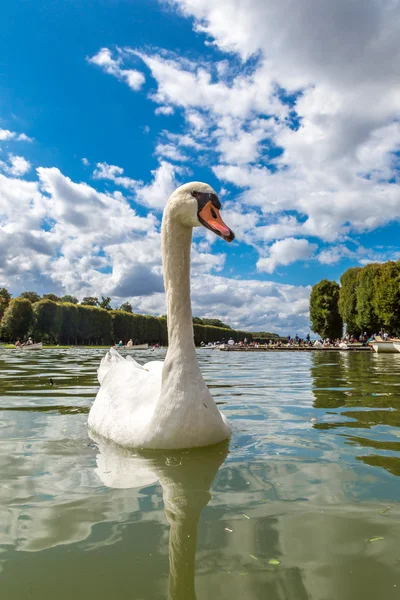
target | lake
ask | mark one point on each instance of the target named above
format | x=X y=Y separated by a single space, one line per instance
x=304 y=502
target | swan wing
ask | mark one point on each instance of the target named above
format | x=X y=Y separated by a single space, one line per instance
x=125 y=401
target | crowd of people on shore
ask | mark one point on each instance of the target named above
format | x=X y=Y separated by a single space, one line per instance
x=348 y=339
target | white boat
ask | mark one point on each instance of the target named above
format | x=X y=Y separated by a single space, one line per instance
x=134 y=347
x=37 y=346
x=380 y=345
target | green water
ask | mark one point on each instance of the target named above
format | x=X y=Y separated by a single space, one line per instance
x=82 y=521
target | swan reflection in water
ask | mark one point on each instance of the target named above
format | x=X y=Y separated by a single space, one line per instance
x=185 y=477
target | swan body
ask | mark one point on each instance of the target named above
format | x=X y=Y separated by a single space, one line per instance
x=166 y=405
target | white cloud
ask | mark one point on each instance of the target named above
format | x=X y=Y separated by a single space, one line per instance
x=275 y=307
x=16 y=166
x=96 y=244
x=322 y=93
x=22 y=137
x=85 y=162
x=115 y=174
x=171 y=152
x=164 y=110
x=6 y=134
x=134 y=79
x=158 y=191
x=285 y=252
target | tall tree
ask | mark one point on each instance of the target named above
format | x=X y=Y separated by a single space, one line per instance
x=105 y=303
x=324 y=310
x=17 y=319
x=70 y=299
x=51 y=297
x=90 y=301
x=5 y=298
x=31 y=296
x=367 y=318
x=69 y=323
x=386 y=299
x=47 y=320
x=126 y=307
x=348 y=299
x=216 y=323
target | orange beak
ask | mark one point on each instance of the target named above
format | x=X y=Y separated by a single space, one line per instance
x=209 y=216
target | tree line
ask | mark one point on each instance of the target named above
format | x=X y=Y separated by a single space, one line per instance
x=366 y=301
x=55 y=320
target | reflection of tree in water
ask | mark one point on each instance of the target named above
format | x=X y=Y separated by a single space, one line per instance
x=367 y=382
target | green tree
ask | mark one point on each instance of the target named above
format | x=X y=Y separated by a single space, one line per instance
x=348 y=299
x=90 y=301
x=69 y=323
x=216 y=323
x=70 y=299
x=51 y=297
x=5 y=298
x=31 y=296
x=105 y=303
x=197 y=320
x=126 y=307
x=17 y=319
x=47 y=320
x=367 y=318
x=324 y=311
x=386 y=299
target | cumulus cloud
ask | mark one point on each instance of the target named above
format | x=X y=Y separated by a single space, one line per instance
x=158 y=191
x=115 y=174
x=133 y=78
x=274 y=306
x=310 y=125
x=6 y=135
x=285 y=252
x=305 y=137
x=171 y=152
x=77 y=253
x=164 y=110
x=16 y=165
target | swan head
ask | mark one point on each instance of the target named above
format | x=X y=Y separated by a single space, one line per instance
x=195 y=204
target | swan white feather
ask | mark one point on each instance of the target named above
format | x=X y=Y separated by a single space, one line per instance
x=164 y=405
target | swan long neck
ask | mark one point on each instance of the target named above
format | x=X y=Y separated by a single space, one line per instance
x=176 y=244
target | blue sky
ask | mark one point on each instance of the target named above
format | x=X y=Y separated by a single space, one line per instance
x=290 y=111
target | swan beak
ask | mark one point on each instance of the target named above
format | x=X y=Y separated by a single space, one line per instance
x=209 y=217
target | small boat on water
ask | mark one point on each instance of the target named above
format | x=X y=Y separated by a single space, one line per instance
x=134 y=347
x=380 y=345
x=37 y=346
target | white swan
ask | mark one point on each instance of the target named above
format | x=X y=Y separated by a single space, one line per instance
x=166 y=405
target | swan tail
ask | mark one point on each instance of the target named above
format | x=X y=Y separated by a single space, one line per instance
x=109 y=361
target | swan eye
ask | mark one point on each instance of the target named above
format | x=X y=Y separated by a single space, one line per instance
x=195 y=194
x=213 y=213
